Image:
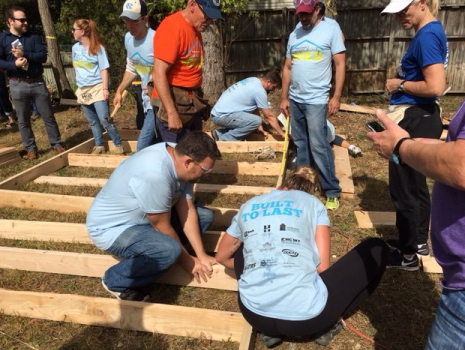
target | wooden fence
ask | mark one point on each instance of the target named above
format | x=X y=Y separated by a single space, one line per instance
x=374 y=43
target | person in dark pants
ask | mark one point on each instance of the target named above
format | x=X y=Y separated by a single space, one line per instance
x=279 y=246
x=22 y=55
x=6 y=107
x=419 y=80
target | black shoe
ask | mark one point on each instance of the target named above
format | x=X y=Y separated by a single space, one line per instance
x=270 y=342
x=326 y=338
x=133 y=294
x=398 y=261
x=422 y=249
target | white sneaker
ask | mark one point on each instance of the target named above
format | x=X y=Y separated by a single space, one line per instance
x=98 y=150
x=355 y=151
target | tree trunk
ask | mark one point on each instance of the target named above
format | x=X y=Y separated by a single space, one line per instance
x=63 y=86
x=214 y=79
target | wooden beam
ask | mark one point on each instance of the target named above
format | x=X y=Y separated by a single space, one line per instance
x=45 y=168
x=71 y=233
x=248 y=337
x=131 y=315
x=429 y=264
x=223 y=146
x=208 y=188
x=94 y=265
x=129 y=134
x=69 y=204
x=344 y=171
x=357 y=109
x=371 y=219
x=221 y=166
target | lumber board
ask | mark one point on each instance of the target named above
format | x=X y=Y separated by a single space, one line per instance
x=131 y=315
x=94 y=265
x=9 y=162
x=343 y=171
x=129 y=134
x=371 y=219
x=357 y=109
x=10 y=144
x=248 y=337
x=285 y=150
x=68 y=204
x=69 y=102
x=209 y=188
x=223 y=146
x=221 y=166
x=46 y=167
x=429 y=264
x=71 y=233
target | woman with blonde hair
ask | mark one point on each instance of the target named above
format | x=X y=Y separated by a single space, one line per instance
x=91 y=66
x=419 y=80
x=279 y=246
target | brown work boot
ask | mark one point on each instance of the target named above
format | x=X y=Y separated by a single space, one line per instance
x=31 y=155
x=59 y=150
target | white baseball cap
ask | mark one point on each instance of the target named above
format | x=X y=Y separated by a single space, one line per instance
x=396 y=6
x=134 y=9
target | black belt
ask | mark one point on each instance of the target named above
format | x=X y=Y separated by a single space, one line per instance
x=28 y=80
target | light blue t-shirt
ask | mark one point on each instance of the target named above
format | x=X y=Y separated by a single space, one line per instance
x=146 y=182
x=280 y=278
x=88 y=67
x=140 y=53
x=311 y=53
x=244 y=96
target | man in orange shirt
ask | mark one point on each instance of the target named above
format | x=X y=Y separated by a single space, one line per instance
x=178 y=57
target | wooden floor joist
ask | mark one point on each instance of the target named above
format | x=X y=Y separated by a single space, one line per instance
x=94 y=265
x=131 y=315
x=69 y=204
x=210 y=188
x=371 y=219
x=429 y=264
x=343 y=171
x=224 y=146
x=72 y=233
x=221 y=166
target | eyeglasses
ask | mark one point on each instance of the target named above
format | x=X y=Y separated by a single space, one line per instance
x=204 y=14
x=132 y=21
x=22 y=20
x=204 y=170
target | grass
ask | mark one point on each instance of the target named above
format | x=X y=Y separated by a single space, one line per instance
x=397 y=316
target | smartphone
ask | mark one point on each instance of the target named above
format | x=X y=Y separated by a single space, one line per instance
x=374 y=126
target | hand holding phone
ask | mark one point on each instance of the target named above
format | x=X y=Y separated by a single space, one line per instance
x=374 y=126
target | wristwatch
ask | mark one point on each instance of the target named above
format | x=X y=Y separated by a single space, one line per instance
x=395 y=153
x=400 y=87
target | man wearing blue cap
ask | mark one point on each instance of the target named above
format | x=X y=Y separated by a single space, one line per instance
x=307 y=75
x=177 y=73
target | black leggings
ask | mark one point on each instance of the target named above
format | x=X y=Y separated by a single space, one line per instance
x=349 y=281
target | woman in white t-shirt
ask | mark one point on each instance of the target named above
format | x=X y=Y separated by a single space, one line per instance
x=279 y=246
x=91 y=66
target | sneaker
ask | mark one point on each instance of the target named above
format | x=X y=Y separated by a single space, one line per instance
x=355 y=151
x=98 y=150
x=132 y=294
x=326 y=338
x=215 y=135
x=119 y=150
x=398 y=261
x=332 y=203
x=422 y=249
x=270 y=342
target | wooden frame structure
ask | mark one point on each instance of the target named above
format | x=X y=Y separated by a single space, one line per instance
x=166 y=319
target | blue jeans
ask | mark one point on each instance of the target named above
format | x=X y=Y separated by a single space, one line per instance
x=148 y=134
x=309 y=129
x=96 y=114
x=236 y=126
x=22 y=93
x=147 y=253
x=448 y=329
